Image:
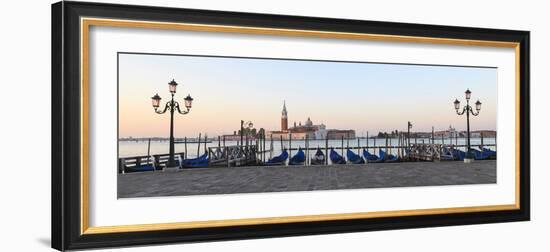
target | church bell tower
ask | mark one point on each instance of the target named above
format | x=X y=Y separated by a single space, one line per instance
x=284 y=118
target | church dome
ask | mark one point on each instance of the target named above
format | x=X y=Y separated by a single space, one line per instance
x=309 y=122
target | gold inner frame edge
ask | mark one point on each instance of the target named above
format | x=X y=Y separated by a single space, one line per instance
x=85 y=24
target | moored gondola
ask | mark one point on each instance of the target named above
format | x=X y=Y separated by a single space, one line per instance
x=278 y=160
x=446 y=154
x=336 y=158
x=354 y=158
x=319 y=158
x=491 y=154
x=199 y=162
x=372 y=158
x=390 y=157
x=458 y=154
x=298 y=159
x=479 y=155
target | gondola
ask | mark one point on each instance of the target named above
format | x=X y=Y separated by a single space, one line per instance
x=458 y=154
x=354 y=158
x=278 y=160
x=490 y=153
x=480 y=155
x=371 y=158
x=298 y=159
x=335 y=158
x=319 y=158
x=201 y=161
x=391 y=158
x=446 y=154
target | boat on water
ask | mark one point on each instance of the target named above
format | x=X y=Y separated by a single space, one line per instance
x=458 y=154
x=480 y=155
x=336 y=158
x=390 y=157
x=446 y=154
x=372 y=158
x=319 y=158
x=491 y=154
x=298 y=159
x=354 y=158
x=201 y=161
x=278 y=160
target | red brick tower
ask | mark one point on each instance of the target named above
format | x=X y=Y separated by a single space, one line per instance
x=284 y=118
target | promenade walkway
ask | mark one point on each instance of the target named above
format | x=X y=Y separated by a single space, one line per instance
x=303 y=178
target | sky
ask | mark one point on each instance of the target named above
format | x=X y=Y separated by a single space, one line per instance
x=361 y=96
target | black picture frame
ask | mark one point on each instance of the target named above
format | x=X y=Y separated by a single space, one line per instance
x=66 y=141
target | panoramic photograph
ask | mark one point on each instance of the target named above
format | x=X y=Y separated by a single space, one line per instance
x=202 y=125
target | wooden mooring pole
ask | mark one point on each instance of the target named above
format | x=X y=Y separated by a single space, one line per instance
x=456 y=138
x=199 y=145
x=271 y=146
x=358 y=146
x=433 y=140
x=290 y=145
x=367 y=141
x=347 y=144
x=326 y=150
x=205 y=140
x=185 y=145
x=374 y=145
x=387 y=152
x=342 y=145
x=307 y=149
x=149 y=148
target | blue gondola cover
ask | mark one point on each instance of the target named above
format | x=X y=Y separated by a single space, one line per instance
x=335 y=158
x=371 y=158
x=201 y=161
x=354 y=158
x=298 y=159
x=278 y=160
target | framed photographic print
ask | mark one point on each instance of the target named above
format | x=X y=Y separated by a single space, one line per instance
x=181 y=125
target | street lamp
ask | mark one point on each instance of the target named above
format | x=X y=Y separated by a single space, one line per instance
x=249 y=125
x=171 y=106
x=468 y=110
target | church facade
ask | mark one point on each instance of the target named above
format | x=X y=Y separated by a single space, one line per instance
x=307 y=130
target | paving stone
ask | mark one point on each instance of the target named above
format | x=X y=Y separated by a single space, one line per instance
x=303 y=178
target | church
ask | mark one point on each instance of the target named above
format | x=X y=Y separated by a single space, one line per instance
x=307 y=130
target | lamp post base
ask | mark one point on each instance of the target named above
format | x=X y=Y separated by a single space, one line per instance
x=468 y=160
x=171 y=169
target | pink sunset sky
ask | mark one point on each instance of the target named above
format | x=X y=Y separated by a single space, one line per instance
x=360 y=96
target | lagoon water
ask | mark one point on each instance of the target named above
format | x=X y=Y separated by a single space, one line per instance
x=139 y=148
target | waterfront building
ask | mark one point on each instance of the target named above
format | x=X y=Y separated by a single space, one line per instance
x=307 y=130
x=486 y=133
x=339 y=134
x=448 y=133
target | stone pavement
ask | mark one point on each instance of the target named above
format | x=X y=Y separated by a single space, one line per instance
x=225 y=180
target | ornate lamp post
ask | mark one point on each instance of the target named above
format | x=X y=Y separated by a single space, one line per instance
x=172 y=106
x=468 y=110
x=249 y=125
